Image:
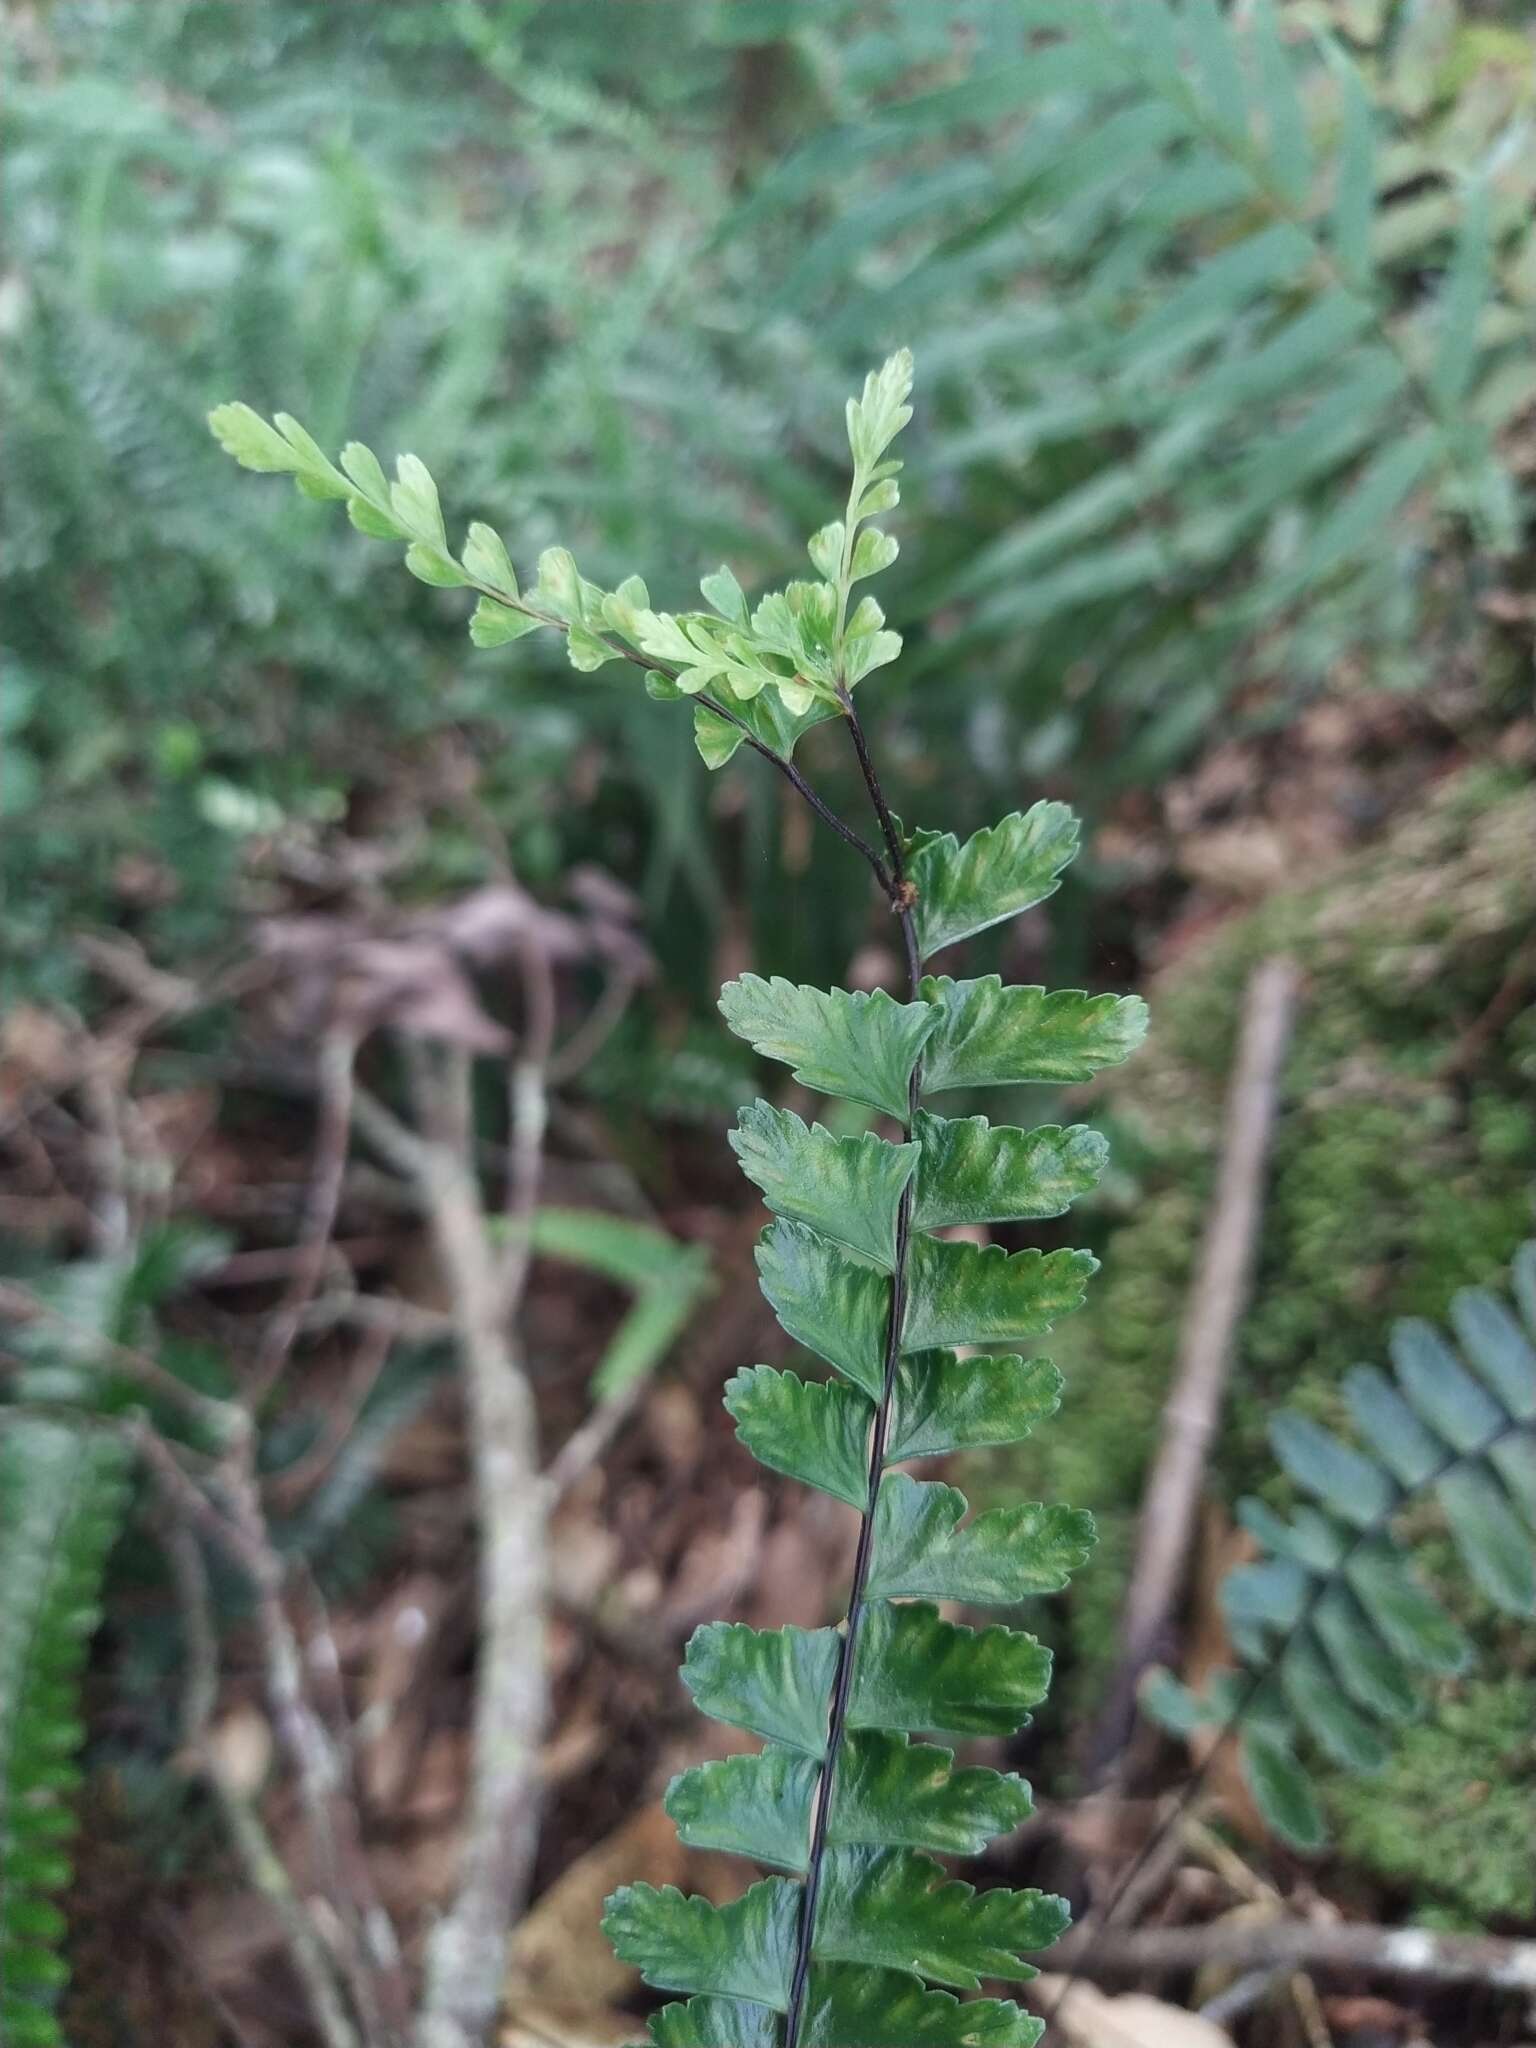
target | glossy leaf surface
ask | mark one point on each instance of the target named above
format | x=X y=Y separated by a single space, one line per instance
x=970 y=1171
x=756 y=1806
x=775 y=1682
x=893 y=1908
x=743 y=1950
x=1003 y=1556
x=846 y=1188
x=962 y=1293
x=860 y=1046
x=890 y=1792
x=944 y=1403
x=920 y=1673
x=828 y=1300
x=1002 y=870
x=864 y=2008
x=991 y=1036
x=815 y=1430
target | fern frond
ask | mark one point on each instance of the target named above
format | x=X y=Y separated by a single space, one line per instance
x=844 y=1944
x=63 y=1490
x=1242 y=328
x=1335 y=1626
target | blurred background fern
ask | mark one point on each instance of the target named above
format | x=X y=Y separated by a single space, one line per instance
x=1222 y=328
x=1215 y=522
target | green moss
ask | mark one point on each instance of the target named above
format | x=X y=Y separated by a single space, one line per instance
x=1394 y=1178
x=1452 y=1817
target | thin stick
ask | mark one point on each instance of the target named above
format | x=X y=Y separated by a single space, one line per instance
x=1226 y=1862
x=595 y=1029
x=377 y=1986
x=289 y=1486
x=586 y=1444
x=1217 y=1300
x=1295 y=1944
x=528 y=1119
x=263 y=1866
x=338 y=1056
x=466 y=1951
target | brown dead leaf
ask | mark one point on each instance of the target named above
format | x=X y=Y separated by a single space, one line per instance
x=546 y=2026
x=674 y=1427
x=583 y=1558
x=337 y=973
x=575 y=1749
x=364 y=969
x=1211 y=1979
x=559 y=1956
x=1089 y=2018
x=37 y=1050
x=1249 y=859
x=1105 y=1831
x=1360 y=2014
x=807 y=1553
x=720 y=1566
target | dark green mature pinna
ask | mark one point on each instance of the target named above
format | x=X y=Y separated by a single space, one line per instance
x=840 y=1951
x=843 y=1948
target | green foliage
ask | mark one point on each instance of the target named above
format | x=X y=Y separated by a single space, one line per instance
x=1449 y=1814
x=65 y=1481
x=64 y=1489
x=861 y=1047
x=1395 y=1180
x=667 y=1279
x=989 y=1036
x=849 y=1189
x=1004 y=869
x=853 y=1271
x=799 y=643
x=1223 y=338
x=62 y=1494
x=1247 y=333
x=1333 y=1620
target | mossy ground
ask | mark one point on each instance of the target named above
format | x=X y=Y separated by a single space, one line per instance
x=1452 y=1818
x=1397 y=1176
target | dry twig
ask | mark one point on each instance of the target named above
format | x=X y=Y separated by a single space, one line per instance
x=263 y=1866
x=1305 y=1945
x=466 y=1952
x=1216 y=1303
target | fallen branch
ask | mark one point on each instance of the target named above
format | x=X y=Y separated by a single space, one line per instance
x=1299 y=1944
x=264 y=1868
x=466 y=1951
x=1216 y=1303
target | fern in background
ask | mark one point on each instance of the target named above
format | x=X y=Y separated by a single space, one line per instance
x=65 y=1485
x=63 y=1489
x=1245 y=324
x=1225 y=313
x=1333 y=1621
x=842 y=1950
x=666 y=1278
